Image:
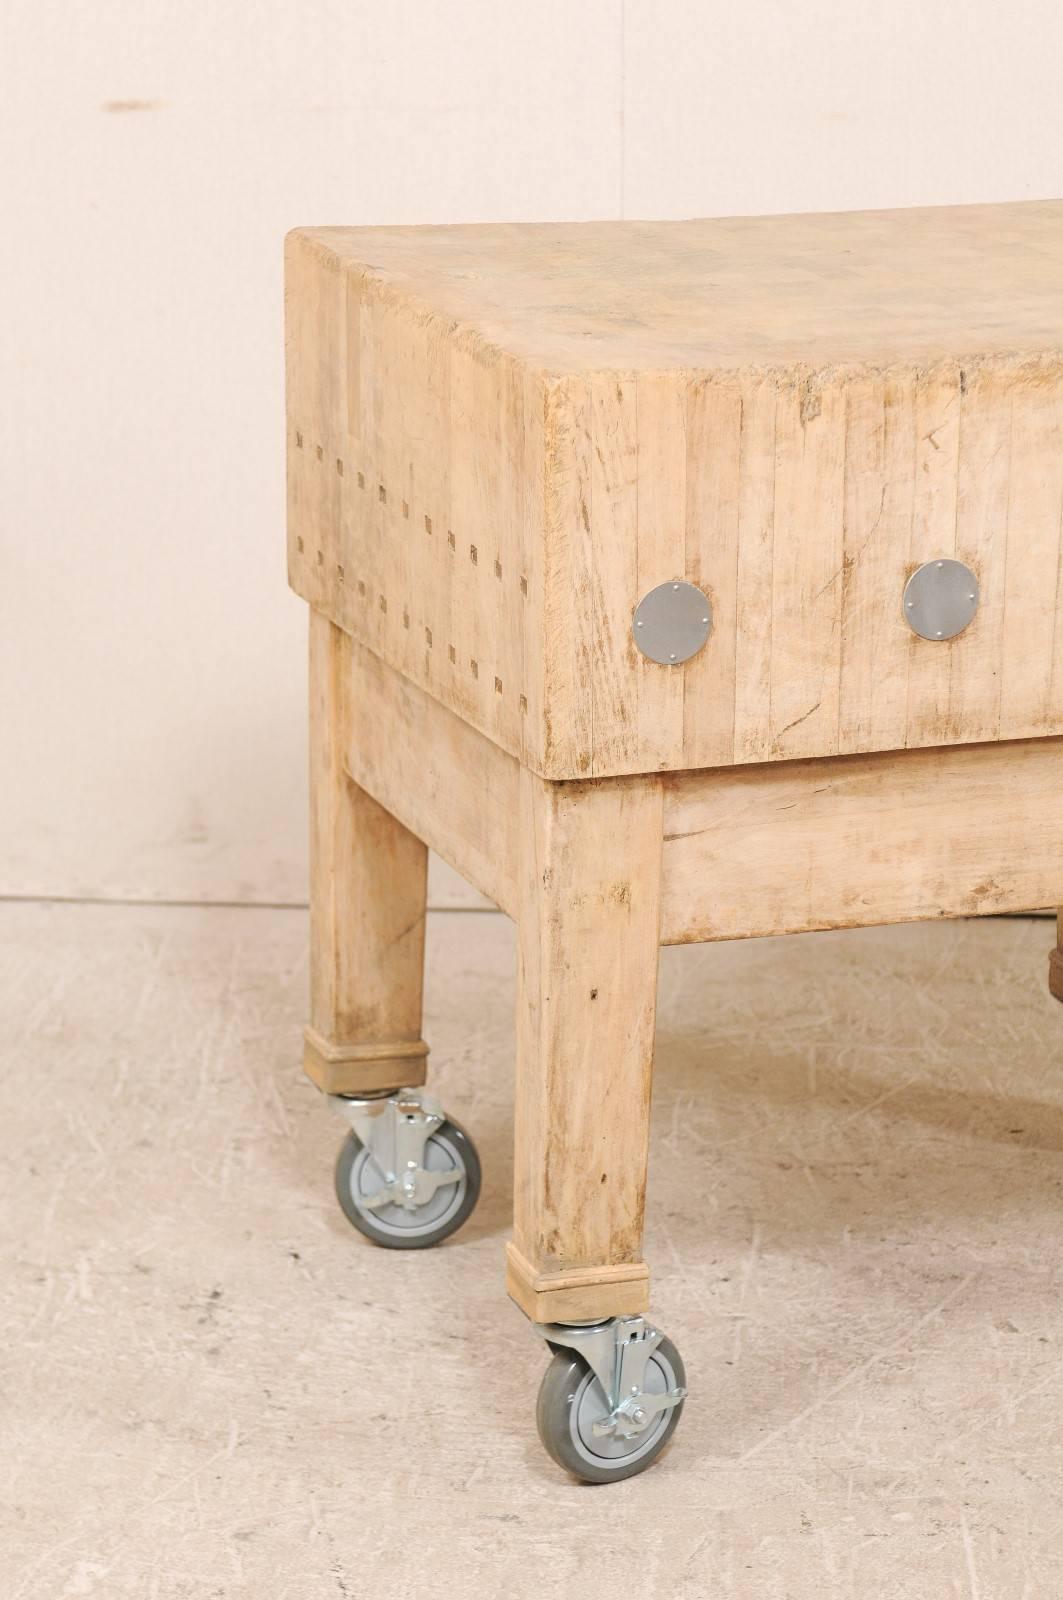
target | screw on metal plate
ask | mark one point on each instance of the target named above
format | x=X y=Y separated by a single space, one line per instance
x=672 y=623
x=940 y=598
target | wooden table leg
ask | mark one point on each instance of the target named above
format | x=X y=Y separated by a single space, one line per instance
x=589 y=899
x=367 y=909
x=1055 y=961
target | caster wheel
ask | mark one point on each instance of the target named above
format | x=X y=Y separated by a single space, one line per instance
x=440 y=1195
x=572 y=1401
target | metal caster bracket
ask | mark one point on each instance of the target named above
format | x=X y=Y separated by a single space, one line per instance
x=395 y=1128
x=617 y=1352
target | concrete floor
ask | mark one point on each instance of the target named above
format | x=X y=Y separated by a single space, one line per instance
x=210 y=1386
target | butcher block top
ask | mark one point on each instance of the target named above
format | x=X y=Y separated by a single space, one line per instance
x=502 y=437
x=737 y=292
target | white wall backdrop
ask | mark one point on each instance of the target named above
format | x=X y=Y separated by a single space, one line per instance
x=153 y=156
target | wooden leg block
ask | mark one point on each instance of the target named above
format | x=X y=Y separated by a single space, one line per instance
x=1055 y=962
x=368 y=890
x=588 y=935
x=622 y=1291
x=362 y=1069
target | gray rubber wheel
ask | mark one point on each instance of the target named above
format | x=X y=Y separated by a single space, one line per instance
x=392 y=1226
x=571 y=1401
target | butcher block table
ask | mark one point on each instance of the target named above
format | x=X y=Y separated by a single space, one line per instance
x=674 y=581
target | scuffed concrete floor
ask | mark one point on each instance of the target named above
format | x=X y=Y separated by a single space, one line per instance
x=212 y=1387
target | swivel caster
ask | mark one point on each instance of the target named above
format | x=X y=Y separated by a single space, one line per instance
x=406 y=1176
x=610 y=1399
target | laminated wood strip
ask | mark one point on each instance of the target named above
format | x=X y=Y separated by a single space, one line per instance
x=875 y=640
x=713 y=468
x=1031 y=673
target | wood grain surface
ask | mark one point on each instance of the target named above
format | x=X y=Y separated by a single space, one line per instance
x=501 y=437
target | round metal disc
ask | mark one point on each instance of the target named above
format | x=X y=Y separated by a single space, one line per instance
x=672 y=623
x=940 y=598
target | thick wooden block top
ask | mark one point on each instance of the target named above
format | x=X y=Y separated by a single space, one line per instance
x=502 y=437
x=731 y=293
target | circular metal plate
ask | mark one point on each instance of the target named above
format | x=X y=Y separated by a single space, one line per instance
x=940 y=598
x=672 y=623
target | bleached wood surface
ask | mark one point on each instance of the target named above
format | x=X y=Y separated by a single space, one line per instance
x=501 y=437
